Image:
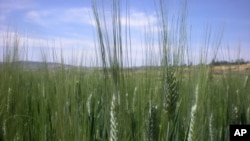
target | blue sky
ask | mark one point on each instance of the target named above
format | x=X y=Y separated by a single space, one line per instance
x=68 y=25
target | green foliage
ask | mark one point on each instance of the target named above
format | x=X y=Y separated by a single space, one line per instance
x=118 y=103
x=53 y=105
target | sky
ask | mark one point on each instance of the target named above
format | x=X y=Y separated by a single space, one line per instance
x=68 y=28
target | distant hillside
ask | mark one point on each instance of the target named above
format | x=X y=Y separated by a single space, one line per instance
x=38 y=65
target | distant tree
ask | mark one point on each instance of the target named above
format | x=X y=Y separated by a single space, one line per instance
x=240 y=61
x=232 y=62
x=216 y=63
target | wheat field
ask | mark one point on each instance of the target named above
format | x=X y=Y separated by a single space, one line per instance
x=156 y=102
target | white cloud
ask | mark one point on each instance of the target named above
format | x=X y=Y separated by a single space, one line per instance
x=59 y=16
x=8 y=6
x=139 y=19
x=77 y=15
x=48 y=17
x=71 y=47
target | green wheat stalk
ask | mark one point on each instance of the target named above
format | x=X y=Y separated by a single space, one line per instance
x=193 y=114
x=9 y=100
x=134 y=99
x=235 y=115
x=113 y=121
x=152 y=124
x=89 y=104
x=211 y=134
x=170 y=93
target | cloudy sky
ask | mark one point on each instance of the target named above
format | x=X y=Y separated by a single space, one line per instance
x=68 y=26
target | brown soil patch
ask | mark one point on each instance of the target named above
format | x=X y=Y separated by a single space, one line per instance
x=244 y=68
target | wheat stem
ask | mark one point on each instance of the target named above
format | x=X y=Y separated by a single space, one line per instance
x=113 y=121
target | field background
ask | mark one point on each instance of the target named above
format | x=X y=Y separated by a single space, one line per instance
x=83 y=104
x=165 y=99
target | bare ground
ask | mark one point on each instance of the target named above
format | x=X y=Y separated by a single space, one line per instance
x=243 y=69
